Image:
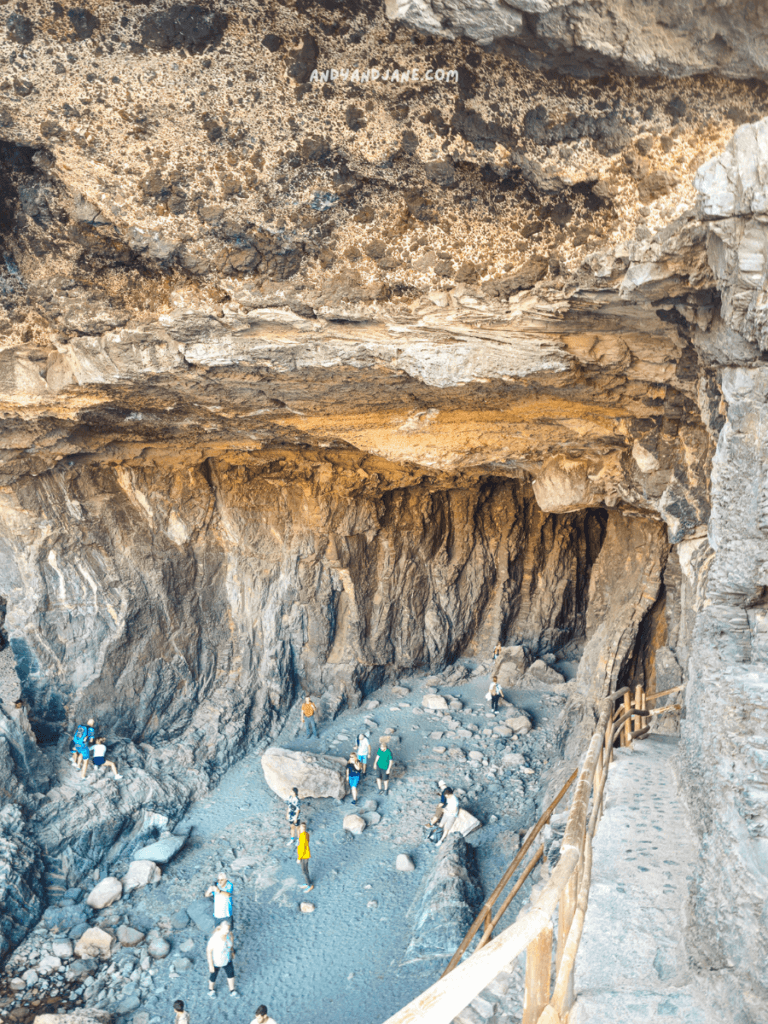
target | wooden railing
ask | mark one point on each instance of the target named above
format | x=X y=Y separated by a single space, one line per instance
x=566 y=893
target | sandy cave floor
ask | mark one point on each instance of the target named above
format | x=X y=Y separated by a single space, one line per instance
x=344 y=962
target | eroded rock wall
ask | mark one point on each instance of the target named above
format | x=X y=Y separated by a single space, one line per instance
x=168 y=599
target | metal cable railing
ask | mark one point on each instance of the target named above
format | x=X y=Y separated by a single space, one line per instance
x=566 y=893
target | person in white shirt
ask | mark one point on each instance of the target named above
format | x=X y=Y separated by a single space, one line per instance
x=262 y=1016
x=363 y=751
x=219 y=953
x=99 y=755
x=450 y=811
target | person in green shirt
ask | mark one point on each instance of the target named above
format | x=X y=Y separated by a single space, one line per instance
x=383 y=764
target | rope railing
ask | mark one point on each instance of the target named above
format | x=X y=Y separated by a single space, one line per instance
x=565 y=893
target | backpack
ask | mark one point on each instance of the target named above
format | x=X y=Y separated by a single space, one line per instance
x=80 y=734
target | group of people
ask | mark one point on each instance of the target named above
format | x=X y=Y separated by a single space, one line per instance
x=86 y=746
x=220 y=950
x=357 y=765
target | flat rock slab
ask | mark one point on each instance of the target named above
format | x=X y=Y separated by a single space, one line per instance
x=161 y=851
x=81 y=1016
x=201 y=913
x=314 y=775
x=643 y=852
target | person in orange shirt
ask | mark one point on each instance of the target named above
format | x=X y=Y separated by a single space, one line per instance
x=309 y=710
x=303 y=855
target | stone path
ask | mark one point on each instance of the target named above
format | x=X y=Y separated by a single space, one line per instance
x=632 y=965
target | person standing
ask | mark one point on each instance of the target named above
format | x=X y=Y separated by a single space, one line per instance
x=383 y=764
x=496 y=693
x=262 y=1016
x=222 y=899
x=292 y=814
x=309 y=711
x=303 y=855
x=496 y=651
x=81 y=743
x=219 y=951
x=181 y=1015
x=363 y=751
x=353 y=774
x=450 y=811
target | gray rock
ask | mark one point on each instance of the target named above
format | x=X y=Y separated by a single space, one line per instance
x=158 y=947
x=128 y=936
x=446 y=903
x=182 y=964
x=201 y=913
x=128 y=1004
x=163 y=850
x=63 y=948
x=181 y=920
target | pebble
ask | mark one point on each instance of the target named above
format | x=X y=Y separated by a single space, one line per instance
x=438 y=750
x=307 y=908
x=372 y=904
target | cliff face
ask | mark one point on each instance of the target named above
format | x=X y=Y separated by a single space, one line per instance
x=311 y=375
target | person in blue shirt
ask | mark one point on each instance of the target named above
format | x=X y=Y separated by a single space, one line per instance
x=222 y=899
x=81 y=743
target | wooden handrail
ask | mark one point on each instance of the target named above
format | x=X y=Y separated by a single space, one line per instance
x=568 y=885
x=487 y=906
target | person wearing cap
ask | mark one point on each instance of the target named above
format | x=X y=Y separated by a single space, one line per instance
x=222 y=898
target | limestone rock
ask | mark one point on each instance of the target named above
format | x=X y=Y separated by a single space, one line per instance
x=128 y=936
x=353 y=823
x=63 y=948
x=404 y=863
x=434 y=702
x=162 y=851
x=540 y=674
x=94 y=942
x=315 y=775
x=141 y=873
x=105 y=893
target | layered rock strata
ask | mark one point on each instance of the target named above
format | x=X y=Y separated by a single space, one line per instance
x=309 y=375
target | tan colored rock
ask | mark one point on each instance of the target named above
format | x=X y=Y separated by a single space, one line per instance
x=105 y=893
x=540 y=674
x=315 y=775
x=94 y=942
x=353 y=823
x=307 y=908
x=434 y=702
x=158 y=947
x=141 y=873
x=519 y=724
x=466 y=823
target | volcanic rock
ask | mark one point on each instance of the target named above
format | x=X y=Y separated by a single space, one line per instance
x=314 y=775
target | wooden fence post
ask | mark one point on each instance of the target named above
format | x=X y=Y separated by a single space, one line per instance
x=565 y=913
x=628 y=723
x=538 y=975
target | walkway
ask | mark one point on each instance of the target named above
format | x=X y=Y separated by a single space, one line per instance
x=632 y=966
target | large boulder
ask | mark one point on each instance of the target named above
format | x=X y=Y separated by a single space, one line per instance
x=434 y=702
x=446 y=903
x=314 y=775
x=540 y=674
x=201 y=914
x=509 y=668
x=105 y=893
x=94 y=942
x=163 y=849
x=141 y=873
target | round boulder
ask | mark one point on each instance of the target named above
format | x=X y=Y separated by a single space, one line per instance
x=158 y=948
x=353 y=823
